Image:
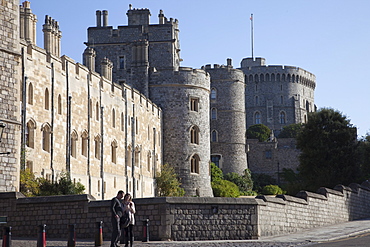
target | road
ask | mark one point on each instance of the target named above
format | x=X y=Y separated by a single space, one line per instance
x=362 y=240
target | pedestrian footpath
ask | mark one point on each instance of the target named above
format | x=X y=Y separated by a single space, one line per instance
x=304 y=238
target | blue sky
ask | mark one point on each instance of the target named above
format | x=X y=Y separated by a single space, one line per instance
x=329 y=38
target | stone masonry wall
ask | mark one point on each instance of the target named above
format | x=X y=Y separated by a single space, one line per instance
x=190 y=218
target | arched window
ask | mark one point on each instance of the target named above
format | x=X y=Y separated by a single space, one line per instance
x=194 y=164
x=30 y=134
x=97 y=111
x=272 y=77
x=90 y=108
x=250 y=78
x=214 y=136
x=114 y=151
x=129 y=156
x=59 y=104
x=278 y=77
x=46 y=131
x=46 y=97
x=293 y=78
x=262 y=77
x=113 y=118
x=213 y=113
x=283 y=77
x=282 y=117
x=257 y=118
x=213 y=93
x=74 y=144
x=97 y=142
x=194 y=135
x=267 y=77
x=307 y=106
x=84 y=142
x=30 y=94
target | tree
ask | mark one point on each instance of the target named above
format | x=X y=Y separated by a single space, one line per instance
x=220 y=186
x=291 y=131
x=167 y=182
x=328 y=150
x=272 y=190
x=258 y=131
x=260 y=180
x=244 y=182
x=363 y=152
x=64 y=186
x=29 y=185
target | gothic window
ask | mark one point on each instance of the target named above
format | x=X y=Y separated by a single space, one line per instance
x=74 y=144
x=283 y=77
x=30 y=134
x=213 y=93
x=46 y=131
x=213 y=113
x=137 y=157
x=194 y=135
x=267 y=77
x=216 y=160
x=97 y=142
x=282 y=117
x=214 y=136
x=250 y=78
x=307 y=106
x=256 y=100
x=97 y=111
x=84 y=142
x=46 y=97
x=194 y=104
x=114 y=152
x=293 y=78
x=305 y=118
x=257 y=118
x=121 y=62
x=59 y=104
x=278 y=77
x=256 y=78
x=30 y=94
x=281 y=87
x=113 y=118
x=256 y=87
x=194 y=164
x=272 y=77
x=262 y=77
x=289 y=78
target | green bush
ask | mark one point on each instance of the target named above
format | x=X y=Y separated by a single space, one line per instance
x=258 y=131
x=244 y=182
x=224 y=188
x=167 y=182
x=272 y=190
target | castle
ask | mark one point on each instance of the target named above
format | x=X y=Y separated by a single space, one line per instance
x=112 y=121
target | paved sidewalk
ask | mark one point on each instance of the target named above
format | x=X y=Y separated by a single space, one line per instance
x=304 y=238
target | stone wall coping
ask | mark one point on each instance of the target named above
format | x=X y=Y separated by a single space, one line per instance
x=342 y=188
x=273 y=199
x=198 y=200
x=293 y=199
x=306 y=195
x=324 y=191
x=355 y=187
x=14 y=195
x=49 y=199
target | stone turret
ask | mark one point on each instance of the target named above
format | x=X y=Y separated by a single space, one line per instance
x=138 y=17
x=89 y=58
x=106 y=68
x=28 y=22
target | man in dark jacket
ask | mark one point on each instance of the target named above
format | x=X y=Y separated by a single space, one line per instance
x=117 y=212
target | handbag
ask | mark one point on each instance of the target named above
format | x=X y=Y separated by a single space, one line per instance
x=125 y=220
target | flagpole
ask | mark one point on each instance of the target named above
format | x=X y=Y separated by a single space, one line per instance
x=251 y=18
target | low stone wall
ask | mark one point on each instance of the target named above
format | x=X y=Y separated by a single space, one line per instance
x=190 y=218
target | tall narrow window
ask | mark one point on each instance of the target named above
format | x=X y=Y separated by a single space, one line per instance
x=97 y=147
x=149 y=161
x=46 y=97
x=113 y=118
x=256 y=100
x=122 y=122
x=30 y=134
x=30 y=94
x=90 y=108
x=213 y=93
x=194 y=164
x=74 y=144
x=121 y=62
x=257 y=118
x=194 y=104
x=84 y=142
x=59 y=104
x=46 y=130
x=194 y=135
x=213 y=113
x=216 y=159
x=114 y=152
x=214 y=136
x=282 y=118
x=97 y=111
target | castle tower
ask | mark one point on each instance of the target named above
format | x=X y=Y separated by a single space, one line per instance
x=277 y=95
x=228 y=127
x=89 y=58
x=10 y=74
x=184 y=98
x=28 y=22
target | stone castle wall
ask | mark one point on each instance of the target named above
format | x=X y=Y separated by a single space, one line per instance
x=191 y=218
x=10 y=68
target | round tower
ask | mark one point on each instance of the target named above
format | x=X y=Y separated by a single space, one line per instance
x=184 y=98
x=228 y=127
x=277 y=95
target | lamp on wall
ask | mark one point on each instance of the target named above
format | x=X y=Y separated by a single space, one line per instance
x=2 y=127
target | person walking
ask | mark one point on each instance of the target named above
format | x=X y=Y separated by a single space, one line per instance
x=117 y=212
x=129 y=208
